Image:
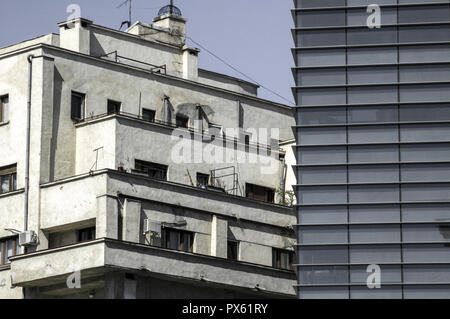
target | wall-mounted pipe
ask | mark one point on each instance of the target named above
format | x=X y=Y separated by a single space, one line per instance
x=27 y=144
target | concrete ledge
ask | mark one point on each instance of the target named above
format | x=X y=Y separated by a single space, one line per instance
x=51 y=267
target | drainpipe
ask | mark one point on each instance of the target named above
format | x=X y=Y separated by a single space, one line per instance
x=27 y=151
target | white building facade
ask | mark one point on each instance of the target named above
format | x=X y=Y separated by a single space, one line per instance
x=148 y=177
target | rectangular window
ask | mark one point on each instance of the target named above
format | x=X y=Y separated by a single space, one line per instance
x=8 y=179
x=178 y=240
x=4 y=101
x=86 y=234
x=113 y=107
x=8 y=248
x=153 y=170
x=283 y=259
x=182 y=121
x=260 y=193
x=77 y=107
x=148 y=115
x=233 y=250
x=202 y=180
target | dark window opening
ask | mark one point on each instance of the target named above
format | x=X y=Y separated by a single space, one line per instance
x=182 y=121
x=148 y=115
x=202 y=180
x=4 y=100
x=153 y=170
x=77 y=106
x=282 y=259
x=113 y=107
x=260 y=193
x=233 y=250
x=9 y=247
x=8 y=179
x=178 y=240
x=86 y=234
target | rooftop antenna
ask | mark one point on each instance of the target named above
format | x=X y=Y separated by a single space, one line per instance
x=129 y=13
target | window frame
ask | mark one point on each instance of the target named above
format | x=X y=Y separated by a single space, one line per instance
x=3 y=109
x=82 y=107
x=236 y=247
x=151 y=166
x=117 y=107
x=200 y=176
x=277 y=258
x=269 y=192
x=3 y=249
x=152 y=117
x=11 y=172
x=184 y=118
x=90 y=232
x=166 y=239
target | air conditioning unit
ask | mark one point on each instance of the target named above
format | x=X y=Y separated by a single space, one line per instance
x=152 y=227
x=28 y=238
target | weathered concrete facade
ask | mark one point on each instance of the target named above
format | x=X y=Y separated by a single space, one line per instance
x=89 y=202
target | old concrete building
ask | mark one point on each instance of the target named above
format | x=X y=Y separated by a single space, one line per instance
x=141 y=175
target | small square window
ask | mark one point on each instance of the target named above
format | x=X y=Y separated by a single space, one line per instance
x=148 y=115
x=182 y=121
x=114 y=107
x=202 y=180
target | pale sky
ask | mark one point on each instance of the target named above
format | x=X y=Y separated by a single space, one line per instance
x=252 y=35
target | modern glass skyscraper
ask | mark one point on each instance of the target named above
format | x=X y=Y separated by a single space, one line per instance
x=373 y=148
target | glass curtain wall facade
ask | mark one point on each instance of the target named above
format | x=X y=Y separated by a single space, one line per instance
x=373 y=148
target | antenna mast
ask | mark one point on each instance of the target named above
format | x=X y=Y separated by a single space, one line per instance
x=171 y=7
x=129 y=12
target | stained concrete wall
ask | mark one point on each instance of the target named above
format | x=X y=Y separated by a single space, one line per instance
x=60 y=149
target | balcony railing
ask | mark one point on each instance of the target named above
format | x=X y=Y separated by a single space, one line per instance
x=211 y=137
x=113 y=56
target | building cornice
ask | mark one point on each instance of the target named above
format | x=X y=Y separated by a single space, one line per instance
x=174 y=78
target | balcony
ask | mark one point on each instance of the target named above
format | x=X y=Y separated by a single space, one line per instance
x=96 y=258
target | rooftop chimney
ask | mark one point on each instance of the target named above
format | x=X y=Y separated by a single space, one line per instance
x=169 y=27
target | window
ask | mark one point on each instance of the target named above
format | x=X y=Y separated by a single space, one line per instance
x=8 y=248
x=8 y=179
x=283 y=259
x=77 y=107
x=4 y=101
x=153 y=170
x=148 y=115
x=177 y=240
x=233 y=250
x=182 y=121
x=86 y=234
x=260 y=193
x=202 y=180
x=113 y=107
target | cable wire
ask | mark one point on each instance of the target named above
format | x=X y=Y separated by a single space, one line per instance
x=243 y=74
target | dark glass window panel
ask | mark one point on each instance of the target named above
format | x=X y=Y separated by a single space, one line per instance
x=260 y=193
x=148 y=115
x=113 y=107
